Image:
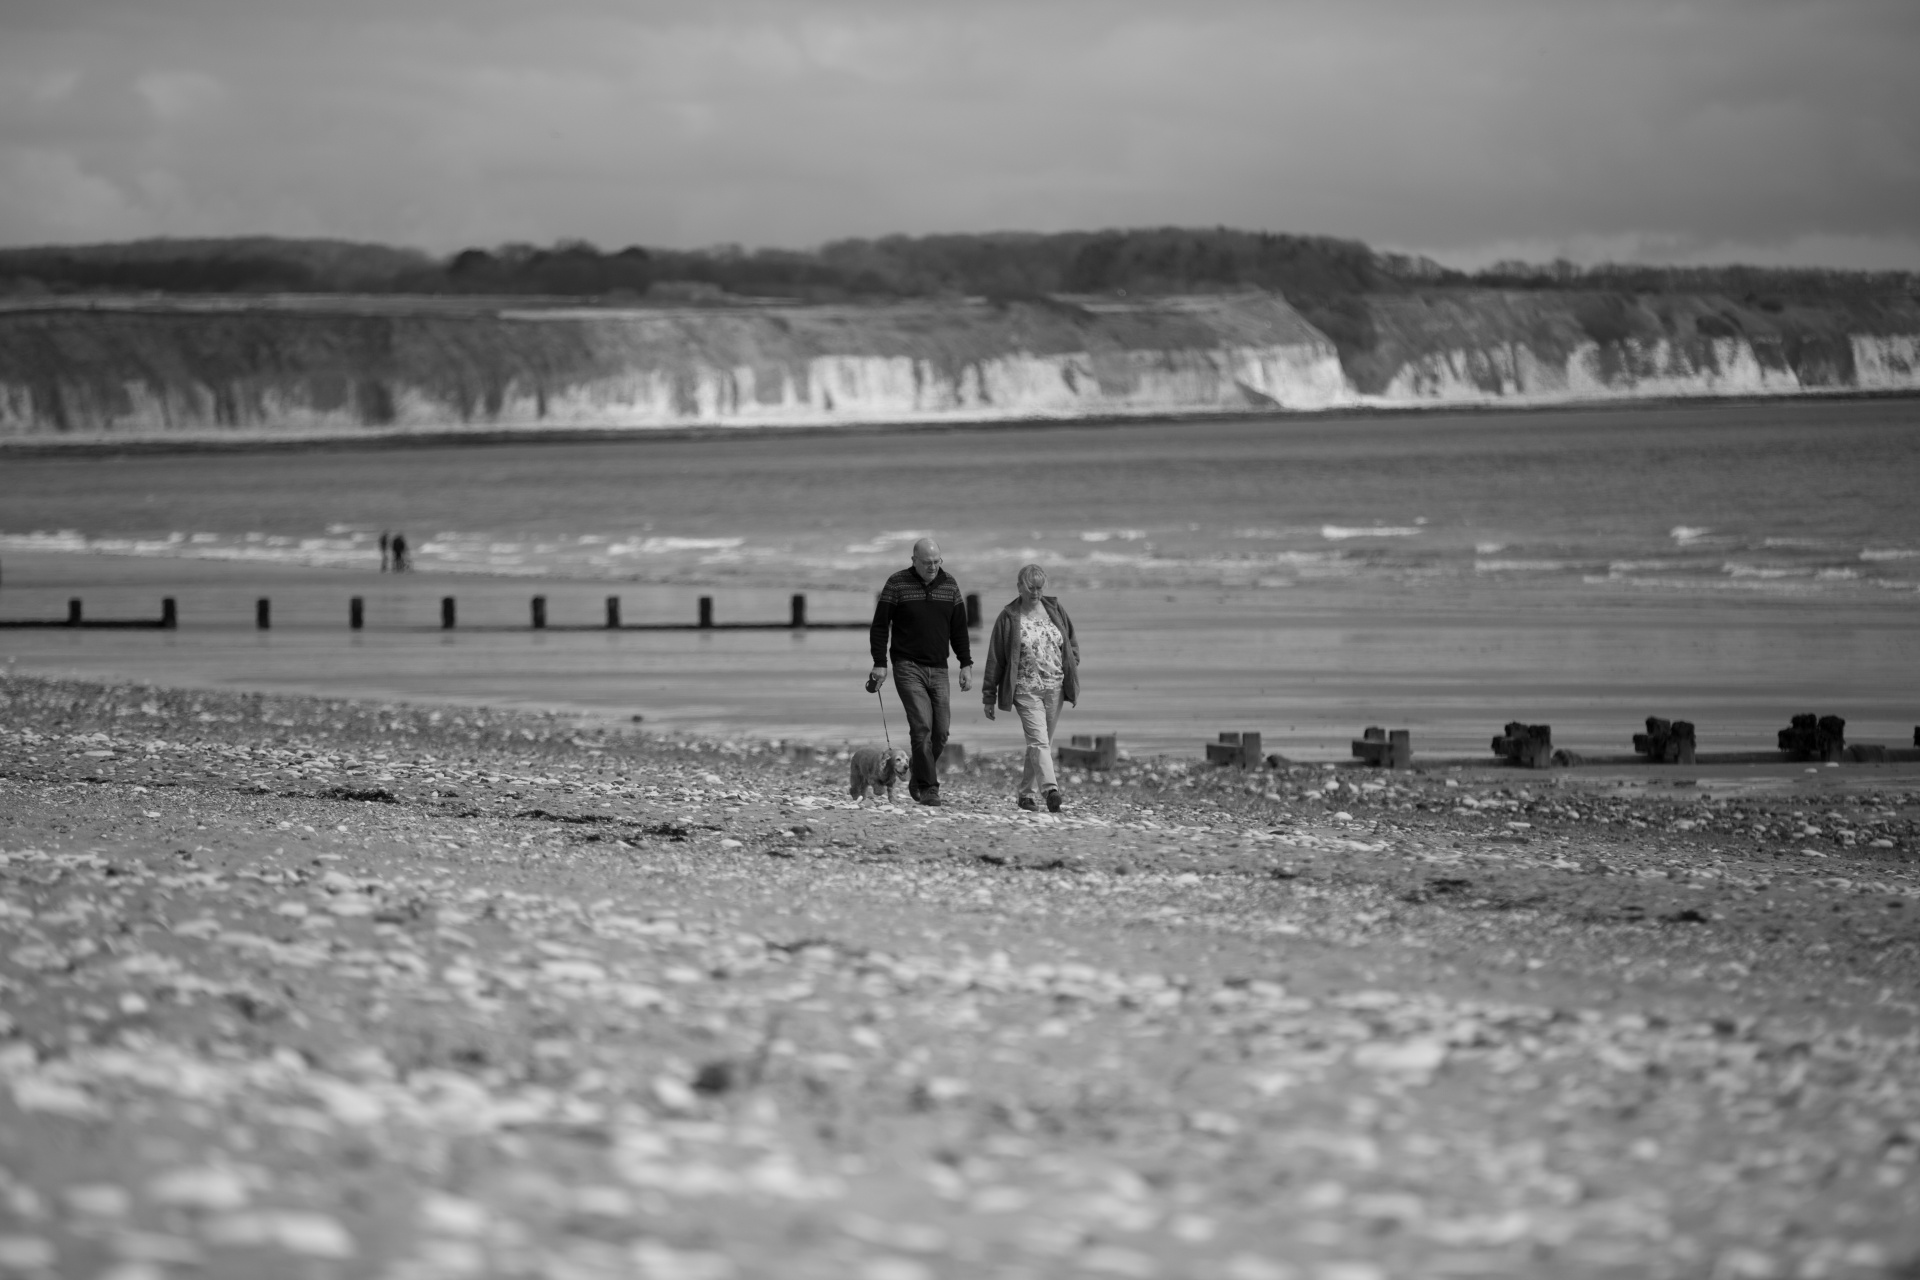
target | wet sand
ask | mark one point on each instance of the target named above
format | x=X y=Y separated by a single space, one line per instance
x=1308 y=666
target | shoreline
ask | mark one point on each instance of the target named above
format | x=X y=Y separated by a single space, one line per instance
x=1310 y=701
x=440 y=437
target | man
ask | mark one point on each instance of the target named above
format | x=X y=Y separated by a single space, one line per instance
x=923 y=609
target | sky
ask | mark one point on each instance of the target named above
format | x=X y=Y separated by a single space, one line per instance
x=1668 y=131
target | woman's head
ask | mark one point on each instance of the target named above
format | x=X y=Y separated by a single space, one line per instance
x=1031 y=580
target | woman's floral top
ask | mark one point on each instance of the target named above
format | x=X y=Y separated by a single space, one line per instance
x=1040 y=665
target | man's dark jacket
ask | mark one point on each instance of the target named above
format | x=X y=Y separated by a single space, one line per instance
x=925 y=619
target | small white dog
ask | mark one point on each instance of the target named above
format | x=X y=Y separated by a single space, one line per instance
x=873 y=769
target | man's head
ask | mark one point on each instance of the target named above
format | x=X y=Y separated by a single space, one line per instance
x=926 y=559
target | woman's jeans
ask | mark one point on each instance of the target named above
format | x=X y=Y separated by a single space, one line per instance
x=1039 y=711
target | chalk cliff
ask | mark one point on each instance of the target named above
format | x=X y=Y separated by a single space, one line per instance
x=224 y=368
x=207 y=370
x=1482 y=346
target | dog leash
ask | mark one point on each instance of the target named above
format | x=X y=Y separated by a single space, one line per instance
x=879 y=697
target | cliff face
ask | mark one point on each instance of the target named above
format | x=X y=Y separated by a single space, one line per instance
x=224 y=368
x=1477 y=346
x=221 y=370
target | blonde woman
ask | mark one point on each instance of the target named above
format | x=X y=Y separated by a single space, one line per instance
x=1033 y=665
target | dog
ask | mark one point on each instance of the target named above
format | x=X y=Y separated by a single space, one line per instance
x=873 y=769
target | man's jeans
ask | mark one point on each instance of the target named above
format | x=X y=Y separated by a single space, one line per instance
x=923 y=692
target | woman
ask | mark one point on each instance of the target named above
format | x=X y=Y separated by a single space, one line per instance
x=1033 y=665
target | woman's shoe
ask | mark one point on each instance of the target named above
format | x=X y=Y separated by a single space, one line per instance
x=1053 y=799
x=1026 y=802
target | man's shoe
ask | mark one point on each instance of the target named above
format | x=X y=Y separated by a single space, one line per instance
x=913 y=791
x=1053 y=799
x=1026 y=802
x=929 y=798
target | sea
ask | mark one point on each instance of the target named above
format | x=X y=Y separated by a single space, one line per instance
x=1303 y=577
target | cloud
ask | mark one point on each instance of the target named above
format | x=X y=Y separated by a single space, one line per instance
x=1454 y=128
x=47 y=196
x=174 y=96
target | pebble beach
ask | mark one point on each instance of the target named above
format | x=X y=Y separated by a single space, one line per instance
x=308 y=987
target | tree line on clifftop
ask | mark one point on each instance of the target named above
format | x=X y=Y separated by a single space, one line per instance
x=1327 y=279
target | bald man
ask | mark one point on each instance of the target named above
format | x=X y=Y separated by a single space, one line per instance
x=920 y=616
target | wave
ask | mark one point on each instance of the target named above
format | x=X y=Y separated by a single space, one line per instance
x=1685 y=534
x=1108 y=535
x=1521 y=566
x=1762 y=571
x=1335 y=532
x=881 y=543
x=1780 y=586
x=824 y=561
x=1682 y=564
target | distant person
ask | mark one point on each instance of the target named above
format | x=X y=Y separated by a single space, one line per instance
x=386 y=546
x=919 y=617
x=1033 y=665
x=400 y=561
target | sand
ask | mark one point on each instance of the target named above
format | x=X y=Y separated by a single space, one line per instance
x=322 y=987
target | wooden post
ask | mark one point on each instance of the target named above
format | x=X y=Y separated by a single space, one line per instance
x=73 y=613
x=446 y=613
x=1240 y=749
x=1528 y=745
x=539 y=612
x=356 y=613
x=613 y=613
x=1385 y=750
x=706 y=612
x=1086 y=751
x=169 y=616
x=973 y=610
x=1812 y=737
x=263 y=614
x=799 y=613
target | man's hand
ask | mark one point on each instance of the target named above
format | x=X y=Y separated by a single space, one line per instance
x=966 y=679
x=874 y=677
x=988 y=708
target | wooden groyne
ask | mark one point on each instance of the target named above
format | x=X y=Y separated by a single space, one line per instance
x=537 y=618
x=76 y=620
x=1808 y=739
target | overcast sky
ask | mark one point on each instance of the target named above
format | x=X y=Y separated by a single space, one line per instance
x=1654 y=130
